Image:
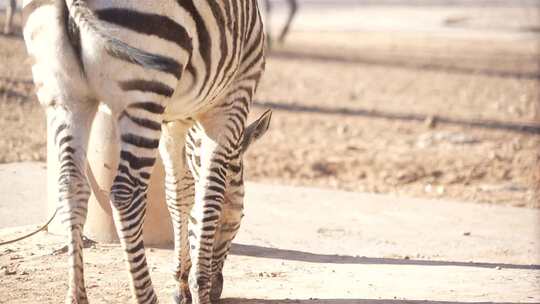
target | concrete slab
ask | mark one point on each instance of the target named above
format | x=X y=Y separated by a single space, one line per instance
x=303 y=245
x=23 y=194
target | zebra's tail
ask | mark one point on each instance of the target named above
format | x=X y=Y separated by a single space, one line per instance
x=86 y=20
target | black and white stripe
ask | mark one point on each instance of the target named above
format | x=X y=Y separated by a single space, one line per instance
x=179 y=77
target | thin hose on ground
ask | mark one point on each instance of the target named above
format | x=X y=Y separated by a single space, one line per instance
x=100 y=195
x=31 y=233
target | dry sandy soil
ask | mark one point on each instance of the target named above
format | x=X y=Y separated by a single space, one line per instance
x=423 y=114
x=374 y=249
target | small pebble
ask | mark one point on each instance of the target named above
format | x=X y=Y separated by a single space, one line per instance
x=16 y=257
x=430 y=122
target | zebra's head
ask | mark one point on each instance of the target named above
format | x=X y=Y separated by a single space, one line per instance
x=256 y=130
x=235 y=176
x=234 y=192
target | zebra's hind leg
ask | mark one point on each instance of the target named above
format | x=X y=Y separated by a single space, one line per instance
x=139 y=128
x=71 y=128
x=179 y=192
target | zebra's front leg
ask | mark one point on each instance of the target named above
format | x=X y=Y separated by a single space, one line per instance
x=139 y=129
x=179 y=192
x=70 y=128
x=228 y=227
x=268 y=15
x=10 y=10
x=293 y=8
x=217 y=145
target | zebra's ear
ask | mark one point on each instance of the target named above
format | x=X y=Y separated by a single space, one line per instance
x=256 y=129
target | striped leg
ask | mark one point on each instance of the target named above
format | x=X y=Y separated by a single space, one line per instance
x=293 y=6
x=10 y=10
x=228 y=227
x=233 y=206
x=71 y=131
x=217 y=146
x=140 y=128
x=268 y=15
x=179 y=191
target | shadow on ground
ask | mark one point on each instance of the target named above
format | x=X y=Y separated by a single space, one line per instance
x=531 y=128
x=406 y=64
x=24 y=88
x=346 y=301
x=302 y=256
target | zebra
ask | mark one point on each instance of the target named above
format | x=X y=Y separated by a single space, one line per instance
x=178 y=77
x=10 y=10
x=293 y=9
x=180 y=193
x=293 y=6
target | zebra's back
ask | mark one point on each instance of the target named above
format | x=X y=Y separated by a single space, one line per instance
x=207 y=45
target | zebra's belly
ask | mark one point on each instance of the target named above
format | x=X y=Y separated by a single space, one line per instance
x=193 y=98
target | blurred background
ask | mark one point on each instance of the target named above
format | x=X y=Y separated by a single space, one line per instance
x=432 y=98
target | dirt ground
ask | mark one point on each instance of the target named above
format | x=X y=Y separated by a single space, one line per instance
x=374 y=249
x=36 y=273
x=418 y=114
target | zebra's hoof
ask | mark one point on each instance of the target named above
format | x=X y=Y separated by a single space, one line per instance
x=217 y=288
x=180 y=299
